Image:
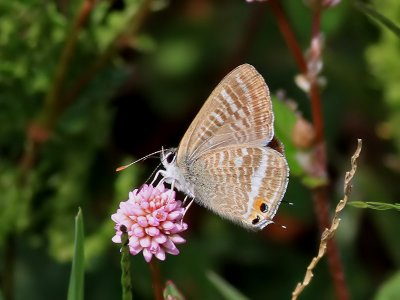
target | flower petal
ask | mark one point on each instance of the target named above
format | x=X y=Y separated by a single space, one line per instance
x=152 y=231
x=167 y=225
x=174 y=215
x=160 y=254
x=147 y=255
x=161 y=238
x=117 y=239
x=145 y=242
x=177 y=239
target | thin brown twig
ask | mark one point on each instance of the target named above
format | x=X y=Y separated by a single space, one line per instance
x=328 y=233
x=320 y=194
x=51 y=109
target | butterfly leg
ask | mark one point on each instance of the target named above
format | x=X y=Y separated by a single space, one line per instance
x=187 y=207
x=184 y=200
x=158 y=174
x=171 y=191
x=173 y=184
x=155 y=177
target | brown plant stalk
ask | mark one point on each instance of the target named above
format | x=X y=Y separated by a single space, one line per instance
x=320 y=194
x=328 y=233
x=51 y=109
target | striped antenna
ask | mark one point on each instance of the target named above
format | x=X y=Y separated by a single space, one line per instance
x=136 y=161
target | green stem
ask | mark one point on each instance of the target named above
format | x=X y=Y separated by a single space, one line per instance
x=126 y=280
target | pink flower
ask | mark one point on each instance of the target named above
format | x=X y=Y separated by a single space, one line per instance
x=153 y=219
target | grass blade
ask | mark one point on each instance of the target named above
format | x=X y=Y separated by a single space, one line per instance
x=76 y=281
x=374 y=14
x=228 y=291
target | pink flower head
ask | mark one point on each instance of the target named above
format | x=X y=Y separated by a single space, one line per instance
x=153 y=219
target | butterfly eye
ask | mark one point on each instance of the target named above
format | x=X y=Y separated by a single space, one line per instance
x=263 y=207
x=255 y=220
x=170 y=157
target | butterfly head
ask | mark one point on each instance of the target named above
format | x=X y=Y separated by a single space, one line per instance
x=168 y=156
x=173 y=173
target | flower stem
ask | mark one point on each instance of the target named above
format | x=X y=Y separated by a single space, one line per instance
x=320 y=194
x=155 y=275
x=314 y=90
x=126 y=281
x=288 y=35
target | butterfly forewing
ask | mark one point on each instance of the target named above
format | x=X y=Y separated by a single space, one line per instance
x=242 y=183
x=238 y=111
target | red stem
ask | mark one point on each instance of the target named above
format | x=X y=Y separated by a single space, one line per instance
x=315 y=97
x=156 y=278
x=320 y=194
x=287 y=32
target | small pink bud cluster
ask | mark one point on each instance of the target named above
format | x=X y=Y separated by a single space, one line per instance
x=153 y=219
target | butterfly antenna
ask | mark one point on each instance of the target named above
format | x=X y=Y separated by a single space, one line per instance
x=286 y=202
x=136 y=161
x=152 y=173
x=279 y=224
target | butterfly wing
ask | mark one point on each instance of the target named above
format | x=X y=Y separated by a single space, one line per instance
x=238 y=111
x=242 y=183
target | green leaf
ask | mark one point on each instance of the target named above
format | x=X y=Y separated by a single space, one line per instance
x=374 y=14
x=171 y=292
x=76 y=288
x=285 y=119
x=228 y=291
x=389 y=289
x=313 y=182
x=375 y=205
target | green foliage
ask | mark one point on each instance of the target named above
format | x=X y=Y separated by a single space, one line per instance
x=385 y=65
x=390 y=290
x=285 y=119
x=375 y=205
x=373 y=13
x=134 y=80
x=171 y=292
x=76 y=281
x=228 y=291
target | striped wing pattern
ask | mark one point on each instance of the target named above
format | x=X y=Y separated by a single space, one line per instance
x=242 y=183
x=238 y=111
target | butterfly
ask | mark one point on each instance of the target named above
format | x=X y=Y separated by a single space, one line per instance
x=229 y=160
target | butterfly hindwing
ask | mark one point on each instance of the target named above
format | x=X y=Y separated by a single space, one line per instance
x=242 y=183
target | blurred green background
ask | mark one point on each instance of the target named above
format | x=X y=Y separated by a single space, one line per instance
x=86 y=86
